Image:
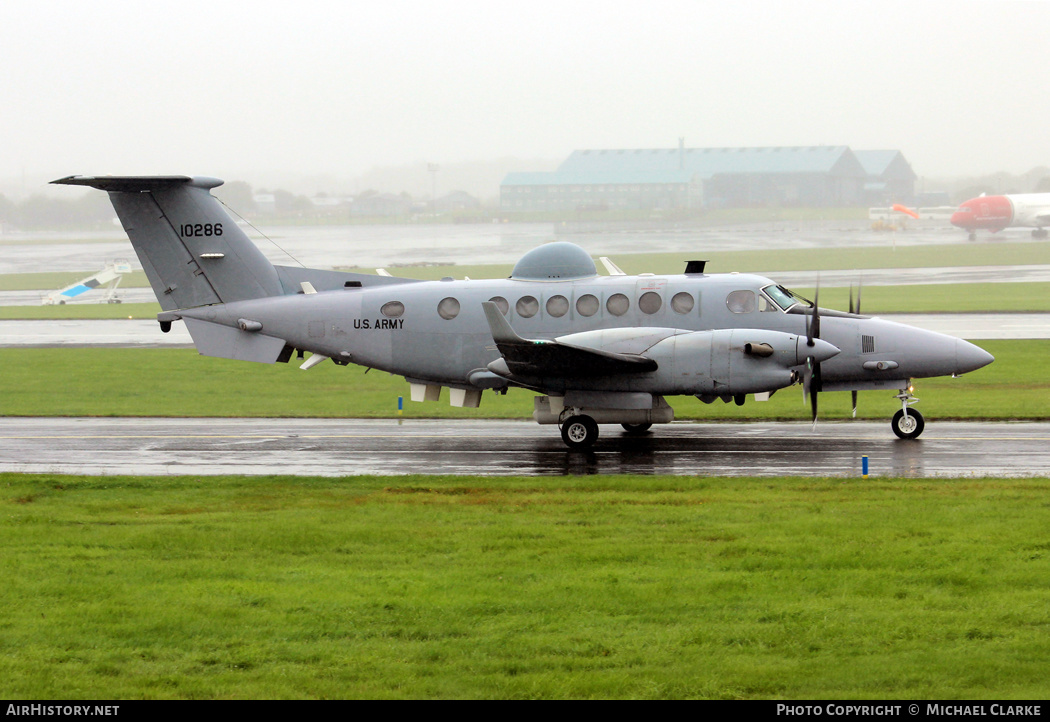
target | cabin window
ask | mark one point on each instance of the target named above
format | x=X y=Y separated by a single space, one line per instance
x=557 y=306
x=587 y=305
x=501 y=304
x=650 y=302
x=393 y=309
x=741 y=301
x=682 y=302
x=618 y=304
x=448 y=308
x=527 y=306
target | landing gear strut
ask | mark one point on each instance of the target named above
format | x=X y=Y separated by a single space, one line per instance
x=907 y=423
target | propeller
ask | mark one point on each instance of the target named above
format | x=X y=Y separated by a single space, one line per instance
x=811 y=377
x=856 y=311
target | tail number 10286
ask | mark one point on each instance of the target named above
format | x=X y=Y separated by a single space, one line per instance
x=191 y=230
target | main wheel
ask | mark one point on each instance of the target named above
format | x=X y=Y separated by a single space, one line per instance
x=636 y=429
x=579 y=432
x=908 y=427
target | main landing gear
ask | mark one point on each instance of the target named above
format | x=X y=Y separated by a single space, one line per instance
x=579 y=432
x=907 y=423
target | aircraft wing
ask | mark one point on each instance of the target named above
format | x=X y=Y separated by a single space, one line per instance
x=1043 y=218
x=546 y=358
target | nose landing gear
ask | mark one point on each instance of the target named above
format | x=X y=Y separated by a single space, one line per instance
x=907 y=423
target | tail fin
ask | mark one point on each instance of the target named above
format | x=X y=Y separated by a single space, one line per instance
x=193 y=253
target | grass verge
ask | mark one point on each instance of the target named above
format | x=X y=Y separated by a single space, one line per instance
x=178 y=382
x=623 y=587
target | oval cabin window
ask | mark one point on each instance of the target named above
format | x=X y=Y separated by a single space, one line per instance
x=557 y=306
x=393 y=309
x=587 y=305
x=618 y=304
x=527 y=306
x=501 y=304
x=650 y=302
x=448 y=308
x=682 y=302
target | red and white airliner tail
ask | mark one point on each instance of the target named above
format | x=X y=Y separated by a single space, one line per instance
x=994 y=213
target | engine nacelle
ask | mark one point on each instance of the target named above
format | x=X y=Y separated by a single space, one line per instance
x=734 y=361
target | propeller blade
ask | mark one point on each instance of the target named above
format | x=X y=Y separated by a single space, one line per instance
x=851 y=298
x=816 y=311
x=860 y=284
x=813 y=405
x=854 y=393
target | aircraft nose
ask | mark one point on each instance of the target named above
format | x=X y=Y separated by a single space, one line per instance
x=958 y=219
x=969 y=357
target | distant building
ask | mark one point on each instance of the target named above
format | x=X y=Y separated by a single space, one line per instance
x=456 y=201
x=682 y=177
x=890 y=178
x=599 y=190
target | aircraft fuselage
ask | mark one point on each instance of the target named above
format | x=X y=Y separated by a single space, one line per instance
x=436 y=331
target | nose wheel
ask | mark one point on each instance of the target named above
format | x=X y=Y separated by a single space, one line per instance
x=907 y=423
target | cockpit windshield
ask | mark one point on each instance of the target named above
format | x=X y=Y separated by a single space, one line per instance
x=784 y=297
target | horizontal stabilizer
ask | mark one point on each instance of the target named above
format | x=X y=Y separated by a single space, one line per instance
x=132 y=183
x=211 y=339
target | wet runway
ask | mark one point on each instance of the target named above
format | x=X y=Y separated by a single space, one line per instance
x=323 y=447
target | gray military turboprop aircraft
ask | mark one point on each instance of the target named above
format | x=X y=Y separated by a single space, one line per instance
x=599 y=349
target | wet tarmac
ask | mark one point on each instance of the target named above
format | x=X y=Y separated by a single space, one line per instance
x=320 y=447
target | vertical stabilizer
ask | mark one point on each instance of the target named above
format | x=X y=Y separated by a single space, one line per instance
x=193 y=253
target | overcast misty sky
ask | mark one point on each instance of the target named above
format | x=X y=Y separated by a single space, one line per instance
x=225 y=88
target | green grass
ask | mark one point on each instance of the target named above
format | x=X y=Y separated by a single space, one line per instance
x=178 y=382
x=804 y=259
x=60 y=279
x=585 y=587
x=82 y=311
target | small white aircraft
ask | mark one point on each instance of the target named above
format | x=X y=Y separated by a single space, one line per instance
x=108 y=279
x=598 y=349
